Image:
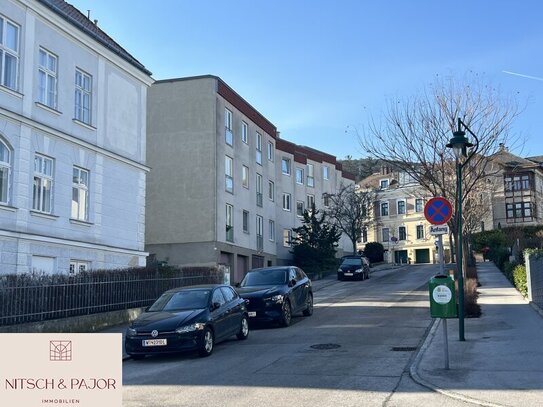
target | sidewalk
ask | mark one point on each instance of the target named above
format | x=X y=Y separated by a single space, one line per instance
x=501 y=361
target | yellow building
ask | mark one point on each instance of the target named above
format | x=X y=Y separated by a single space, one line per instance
x=399 y=222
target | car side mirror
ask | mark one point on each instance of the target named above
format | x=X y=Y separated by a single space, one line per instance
x=237 y=285
x=292 y=283
x=215 y=306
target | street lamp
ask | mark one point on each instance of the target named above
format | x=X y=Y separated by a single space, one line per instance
x=459 y=143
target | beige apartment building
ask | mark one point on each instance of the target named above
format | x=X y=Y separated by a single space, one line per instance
x=224 y=189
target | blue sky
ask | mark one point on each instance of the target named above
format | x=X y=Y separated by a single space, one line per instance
x=316 y=68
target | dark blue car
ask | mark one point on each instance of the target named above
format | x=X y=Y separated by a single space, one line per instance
x=186 y=319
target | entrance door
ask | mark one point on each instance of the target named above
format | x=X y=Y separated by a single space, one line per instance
x=400 y=256
x=257 y=261
x=422 y=256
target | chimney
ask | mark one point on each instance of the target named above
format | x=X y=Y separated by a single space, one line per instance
x=502 y=147
x=385 y=169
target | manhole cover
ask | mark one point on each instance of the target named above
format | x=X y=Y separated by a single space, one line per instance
x=325 y=346
x=404 y=348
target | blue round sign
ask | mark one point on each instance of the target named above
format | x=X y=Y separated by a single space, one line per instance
x=438 y=211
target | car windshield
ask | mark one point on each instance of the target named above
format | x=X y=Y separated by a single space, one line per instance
x=188 y=299
x=265 y=277
x=351 y=262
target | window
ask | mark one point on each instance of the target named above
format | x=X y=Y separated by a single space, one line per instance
x=259 y=232
x=419 y=207
x=42 y=193
x=77 y=266
x=229 y=294
x=384 y=208
x=299 y=176
x=217 y=297
x=401 y=207
x=259 y=190
x=270 y=151
x=287 y=237
x=229 y=223
x=310 y=202
x=385 y=234
x=326 y=172
x=246 y=221
x=228 y=137
x=9 y=53
x=402 y=233
x=83 y=89
x=286 y=202
x=47 y=78
x=285 y=166
x=383 y=184
x=300 y=208
x=229 y=173
x=258 y=148
x=326 y=200
x=518 y=210
x=244 y=132
x=271 y=231
x=271 y=191
x=519 y=182
x=364 y=235
x=245 y=176
x=310 y=176
x=420 y=231
x=5 y=172
x=80 y=194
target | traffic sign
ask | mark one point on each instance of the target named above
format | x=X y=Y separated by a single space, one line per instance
x=438 y=211
x=439 y=230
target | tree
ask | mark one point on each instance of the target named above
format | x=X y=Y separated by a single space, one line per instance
x=350 y=211
x=315 y=242
x=413 y=135
x=374 y=251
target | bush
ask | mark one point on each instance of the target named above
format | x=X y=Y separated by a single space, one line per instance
x=507 y=270
x=519 y=279
x=374 y=251
x=499 y=255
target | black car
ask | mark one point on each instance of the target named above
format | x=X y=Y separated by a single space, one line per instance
x=356 y=267
x=188 y=318
x=276 y=293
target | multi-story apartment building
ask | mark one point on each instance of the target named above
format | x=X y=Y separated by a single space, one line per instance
x=222 y=189
x=399 y=222
x=519 y=193
x=72 y=142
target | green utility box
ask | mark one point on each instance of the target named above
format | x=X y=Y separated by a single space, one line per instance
x=442 y=297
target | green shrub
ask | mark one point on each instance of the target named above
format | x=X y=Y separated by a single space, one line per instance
x=519 y=279
x=507 y=270
x=374 y=251
x=499 y=255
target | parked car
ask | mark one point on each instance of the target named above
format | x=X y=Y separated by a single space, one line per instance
x=356 y=267
x=188 y=318
x=276 y=293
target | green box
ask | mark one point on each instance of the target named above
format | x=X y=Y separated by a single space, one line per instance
x=442 y=297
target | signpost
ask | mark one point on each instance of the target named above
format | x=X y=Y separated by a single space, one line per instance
x=438 y=211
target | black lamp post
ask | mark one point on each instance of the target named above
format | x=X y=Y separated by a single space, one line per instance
x=459 y=143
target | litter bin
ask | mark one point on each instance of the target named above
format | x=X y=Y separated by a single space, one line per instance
x=442 y=297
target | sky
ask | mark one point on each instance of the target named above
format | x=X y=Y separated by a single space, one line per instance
x=319 y=69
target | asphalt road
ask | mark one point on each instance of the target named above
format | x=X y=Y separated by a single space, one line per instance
x=372 y=326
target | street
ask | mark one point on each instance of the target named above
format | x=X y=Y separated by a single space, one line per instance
x=355 y=350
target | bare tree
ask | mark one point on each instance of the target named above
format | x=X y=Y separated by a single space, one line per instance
x=413 y=134
x=350 y=211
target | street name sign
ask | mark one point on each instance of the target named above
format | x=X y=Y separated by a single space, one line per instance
x=439 y=230
x=438 y=211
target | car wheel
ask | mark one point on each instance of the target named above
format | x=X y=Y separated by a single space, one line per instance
x=137 y=357
x=243 y=329
x=309 y=305
x=208 y=343
x=286 y=313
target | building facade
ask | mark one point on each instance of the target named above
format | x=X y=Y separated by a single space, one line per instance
x=399 y=221
x=72 y=143
x=222 y=189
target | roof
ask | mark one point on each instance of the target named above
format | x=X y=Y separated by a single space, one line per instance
x=194 y=287
x=79 y=20
x=507 y=159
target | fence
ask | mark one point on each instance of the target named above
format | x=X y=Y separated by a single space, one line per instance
x=534 y=277
x=32 y=298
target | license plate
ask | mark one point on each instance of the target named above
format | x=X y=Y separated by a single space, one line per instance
x=252 y=314
x=348 y=274
x=155 y=342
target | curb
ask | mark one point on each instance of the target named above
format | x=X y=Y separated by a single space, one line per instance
x=413 y=372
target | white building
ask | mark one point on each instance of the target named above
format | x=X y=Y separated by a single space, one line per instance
x=72 y=143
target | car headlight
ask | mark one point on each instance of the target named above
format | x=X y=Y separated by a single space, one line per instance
x=198 y=326
x=131 y=332
x=358 y=271
x=278 y=299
